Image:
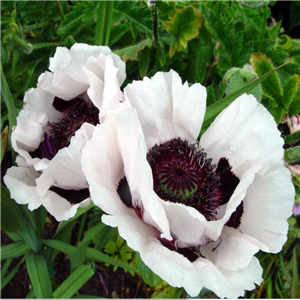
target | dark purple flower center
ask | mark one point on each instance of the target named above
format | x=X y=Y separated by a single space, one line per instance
x=74 y=113
x=183 y=174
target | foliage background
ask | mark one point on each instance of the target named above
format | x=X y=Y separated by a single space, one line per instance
x=224 y=45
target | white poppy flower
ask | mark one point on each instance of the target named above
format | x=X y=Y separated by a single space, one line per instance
x=57 y=120
x=197 y=213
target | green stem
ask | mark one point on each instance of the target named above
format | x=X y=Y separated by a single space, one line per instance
x=60 y=9
x=104 y=20
x=27 y=28
x=154 y=24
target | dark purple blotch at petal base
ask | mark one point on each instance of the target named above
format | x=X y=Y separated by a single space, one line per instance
x=229 y=183
x=123 y=191
x=73 y=196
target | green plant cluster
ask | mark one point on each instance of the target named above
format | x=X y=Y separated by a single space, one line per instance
x=231 y=47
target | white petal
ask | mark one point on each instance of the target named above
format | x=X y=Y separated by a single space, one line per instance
x=177 y=270
x=60 y=208
x=21 y=183
x=246 y=134
x=233 y=250
x=103 y=167
x=32 y=119
x=267 y=206
x=166 y=108
x=137 y=169
x=65 y=170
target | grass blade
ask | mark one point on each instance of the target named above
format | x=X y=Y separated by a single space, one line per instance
x=39 y=275
x=14 y=250
x=10 y=104
x=74 y=282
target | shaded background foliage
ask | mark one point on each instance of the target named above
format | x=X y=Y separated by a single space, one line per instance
x=224 y=45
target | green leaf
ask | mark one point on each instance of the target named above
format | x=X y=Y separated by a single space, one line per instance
x=14 y=250
x=18 y=219
x=292 y=138
x=91 y=234
x=4 y=134
x=131 y=52
x=74 y=282
x=184 y=26
x=290 y=89
x=214 y=109
x=39 y=275
x=148 y=276
x=6 y=279
x=60 y=246
x=91 y=254
x=144 y=58
x=294 y=108
x=295 y=290
x=271 y=87
x=292 y=154
x=10 y=105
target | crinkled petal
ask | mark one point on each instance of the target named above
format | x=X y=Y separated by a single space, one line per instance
x=21 y=184
x=103 y=167
x=246 y=134
x=137 y=169
x=232 y=251
x=28 y=134
x=83 y=68
x=177 y=270
x=65 y=170
x=267 y=206
x=118 y=147
x=167 y=108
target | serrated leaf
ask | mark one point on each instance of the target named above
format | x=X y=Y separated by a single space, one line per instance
x=39 y=275
x=148 y=276
x=271 y=87
x=290 y=89
x=131 y=52
x=184 y=26
x=292 y=154
x=292 y=138
x=294 y=108
x=74 y=282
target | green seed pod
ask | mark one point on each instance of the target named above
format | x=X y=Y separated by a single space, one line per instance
x=236 y=78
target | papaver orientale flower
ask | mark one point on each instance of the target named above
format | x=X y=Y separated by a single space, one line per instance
x=196 y=212
x=57 y=120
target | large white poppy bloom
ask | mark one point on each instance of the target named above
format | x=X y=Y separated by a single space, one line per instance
x=196 y=215
x=57 y=120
